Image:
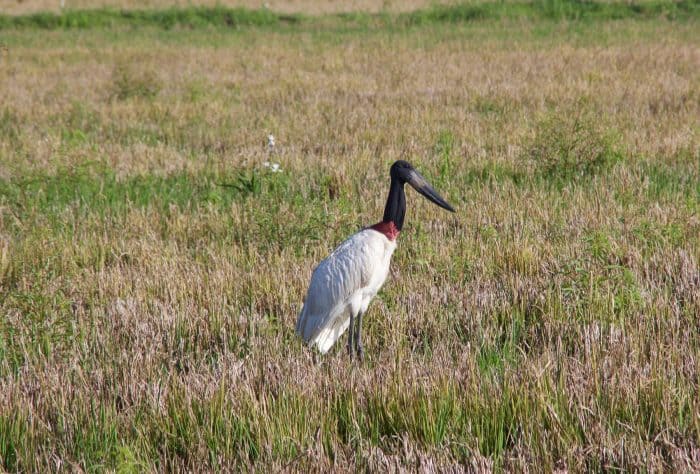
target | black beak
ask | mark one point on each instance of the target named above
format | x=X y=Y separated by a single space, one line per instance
x=422 y=186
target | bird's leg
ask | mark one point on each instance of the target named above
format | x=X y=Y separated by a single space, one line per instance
x=358 y=337
x=351 y=348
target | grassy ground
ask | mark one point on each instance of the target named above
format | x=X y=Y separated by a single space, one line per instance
x=148 y=311
x=311 y=7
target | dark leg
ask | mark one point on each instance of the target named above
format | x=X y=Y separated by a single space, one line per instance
x=358 y=337
x=351 y=348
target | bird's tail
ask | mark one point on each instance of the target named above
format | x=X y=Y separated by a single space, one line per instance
x=329 y=335
x=322 y=337
x=301 y=322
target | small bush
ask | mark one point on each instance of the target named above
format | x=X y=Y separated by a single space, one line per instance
x=9 y=125
x=128 y=82
x=571 y=146
x=444 y=150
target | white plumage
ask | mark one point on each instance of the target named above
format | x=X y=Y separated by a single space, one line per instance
x=343 y=284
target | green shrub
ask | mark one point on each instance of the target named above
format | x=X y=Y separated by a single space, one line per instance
x=572 y=146
x=128 y=82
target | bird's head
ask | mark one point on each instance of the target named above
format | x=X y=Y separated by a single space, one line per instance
x=403 y=172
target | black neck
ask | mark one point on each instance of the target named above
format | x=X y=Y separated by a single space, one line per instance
x=395 y=209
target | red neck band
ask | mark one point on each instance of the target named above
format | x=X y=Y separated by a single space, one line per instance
x=388 y=229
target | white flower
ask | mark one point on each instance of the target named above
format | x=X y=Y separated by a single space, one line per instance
x=270 y=141
x=274 y=167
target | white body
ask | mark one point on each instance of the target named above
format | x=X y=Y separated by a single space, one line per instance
x=343 y=284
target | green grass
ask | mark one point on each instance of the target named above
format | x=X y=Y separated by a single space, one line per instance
x=192 y=17
x=223 y=17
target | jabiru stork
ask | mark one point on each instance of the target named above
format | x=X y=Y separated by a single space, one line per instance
x=345 y=282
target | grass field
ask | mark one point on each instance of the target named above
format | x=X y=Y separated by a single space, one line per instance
x=308 y=7
x=152 y=268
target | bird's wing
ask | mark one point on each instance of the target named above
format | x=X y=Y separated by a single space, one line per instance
x=335 y=281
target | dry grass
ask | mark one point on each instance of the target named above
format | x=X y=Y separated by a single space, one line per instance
x=309 y=7
x=148 y=313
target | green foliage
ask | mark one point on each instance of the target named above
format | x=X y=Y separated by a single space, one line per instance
x=13 y=431
x=97 y=189
x=444 y=149
x=9 y=125
x=224 y=17
x=664 y=181
x=573 y=146
x=596 y=10
x=190 y=17
x=130 y=81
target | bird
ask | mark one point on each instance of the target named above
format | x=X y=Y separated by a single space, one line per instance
x=343 y=284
